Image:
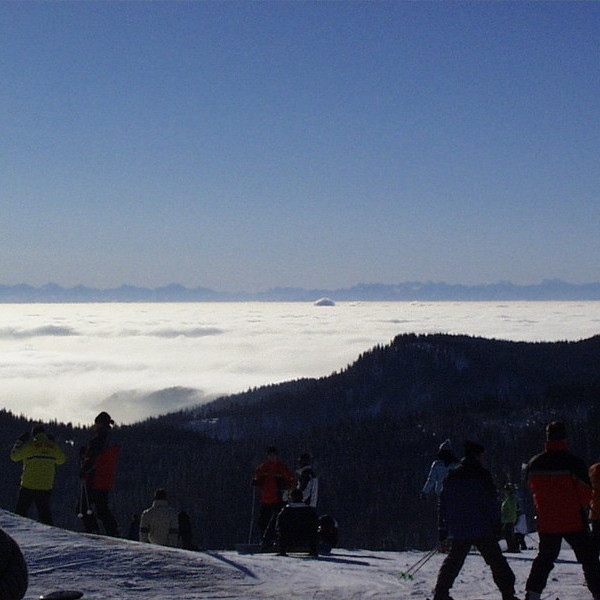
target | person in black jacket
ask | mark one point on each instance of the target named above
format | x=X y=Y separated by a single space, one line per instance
x=469 y=512
x=297 y=525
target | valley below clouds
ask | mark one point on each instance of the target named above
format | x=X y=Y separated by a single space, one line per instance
x=70 y=361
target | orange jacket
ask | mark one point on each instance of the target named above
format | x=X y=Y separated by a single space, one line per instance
x=561 y=489
x=595 y=481
x=272 y=478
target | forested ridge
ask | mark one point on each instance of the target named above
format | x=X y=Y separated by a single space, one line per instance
x=373 y=428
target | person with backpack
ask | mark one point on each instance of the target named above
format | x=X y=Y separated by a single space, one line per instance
x=40 y=456
x=98 y=469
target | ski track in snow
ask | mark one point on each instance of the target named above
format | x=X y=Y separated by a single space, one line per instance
x=114 y=569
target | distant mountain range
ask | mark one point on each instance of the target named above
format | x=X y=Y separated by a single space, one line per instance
x=553 y=289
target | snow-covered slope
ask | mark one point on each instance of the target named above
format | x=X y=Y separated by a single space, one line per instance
x=113 y=569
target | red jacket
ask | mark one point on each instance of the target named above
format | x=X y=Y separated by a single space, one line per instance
x=272 y=477
x=100 y=460
x=561 y=489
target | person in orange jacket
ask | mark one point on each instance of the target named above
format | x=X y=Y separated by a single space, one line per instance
x=273 y=479
x=562 y=493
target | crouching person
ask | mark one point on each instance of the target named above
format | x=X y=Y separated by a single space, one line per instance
x=297 y=525
x=159 y=524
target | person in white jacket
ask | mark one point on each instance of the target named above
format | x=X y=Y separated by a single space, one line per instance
x=159 y=524
x=440 y=467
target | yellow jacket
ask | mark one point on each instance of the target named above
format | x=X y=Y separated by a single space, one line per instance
x=40 y=456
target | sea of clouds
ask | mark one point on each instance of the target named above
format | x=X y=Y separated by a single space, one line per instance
x=69 y=361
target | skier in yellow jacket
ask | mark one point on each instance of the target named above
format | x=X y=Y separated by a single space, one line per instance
x=40 y=456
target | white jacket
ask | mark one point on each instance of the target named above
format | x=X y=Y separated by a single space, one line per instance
x=159 y=524
x=436 y=477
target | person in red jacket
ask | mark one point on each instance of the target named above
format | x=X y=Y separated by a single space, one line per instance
x=99 y=462
x=272 y=478
x=561 y=493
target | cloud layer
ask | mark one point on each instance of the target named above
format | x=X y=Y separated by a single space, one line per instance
x=136 y=360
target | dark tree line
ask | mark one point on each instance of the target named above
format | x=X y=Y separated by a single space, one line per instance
x=373 y=429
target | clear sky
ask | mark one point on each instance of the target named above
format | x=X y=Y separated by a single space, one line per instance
x=247 y=145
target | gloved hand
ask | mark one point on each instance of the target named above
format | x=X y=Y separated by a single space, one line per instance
x=20 y=441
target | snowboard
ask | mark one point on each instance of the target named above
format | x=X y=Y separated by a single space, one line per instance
x=62 y=595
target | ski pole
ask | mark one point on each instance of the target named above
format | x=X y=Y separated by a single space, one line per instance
x=252 y=516
x=80 y=513
x=410 y=572
x=84 y=496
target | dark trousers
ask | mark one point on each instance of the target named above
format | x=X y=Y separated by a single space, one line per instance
x=520 y=541
x=549 y=547
x=267 y=516
x=41 y=498
x=502 y=574
x=96 y=502
x=508 y=532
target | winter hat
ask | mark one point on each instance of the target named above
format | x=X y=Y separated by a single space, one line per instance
x=473 y=449
x=272 y=450
x=305 y=458
x=160 y=494
x=37 y=429
x=104 y=419
x=556 y=431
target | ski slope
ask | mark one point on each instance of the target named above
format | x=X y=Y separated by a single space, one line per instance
x=114 y=569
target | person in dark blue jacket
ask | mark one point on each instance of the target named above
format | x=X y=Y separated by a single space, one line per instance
x=469 y=512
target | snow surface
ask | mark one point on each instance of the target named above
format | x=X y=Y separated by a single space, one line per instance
x=114 y=569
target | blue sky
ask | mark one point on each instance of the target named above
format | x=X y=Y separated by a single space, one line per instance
x=242 y=146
